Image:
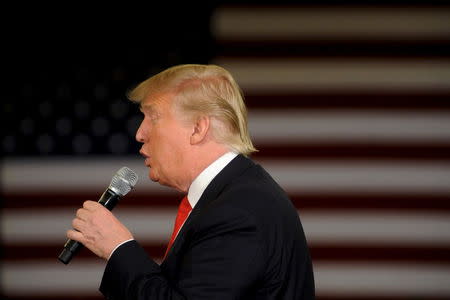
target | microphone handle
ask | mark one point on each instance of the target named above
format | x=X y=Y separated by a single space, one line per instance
x=109 y=199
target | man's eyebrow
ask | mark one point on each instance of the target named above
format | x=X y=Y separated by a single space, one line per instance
x=147 y=107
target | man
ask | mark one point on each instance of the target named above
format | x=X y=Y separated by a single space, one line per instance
x=242 y=238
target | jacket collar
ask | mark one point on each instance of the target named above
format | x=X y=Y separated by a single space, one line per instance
x=236 y=167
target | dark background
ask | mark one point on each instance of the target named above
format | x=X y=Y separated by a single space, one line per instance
x=67 y=68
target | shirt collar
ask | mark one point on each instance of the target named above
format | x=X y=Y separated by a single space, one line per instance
x=202 y=181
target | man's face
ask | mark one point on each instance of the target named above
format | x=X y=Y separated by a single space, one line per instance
x=165 y=141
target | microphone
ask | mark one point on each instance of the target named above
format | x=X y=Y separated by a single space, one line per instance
x=122 y=182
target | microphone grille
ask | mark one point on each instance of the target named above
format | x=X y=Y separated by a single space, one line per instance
x=123 y=181
x=128 y=175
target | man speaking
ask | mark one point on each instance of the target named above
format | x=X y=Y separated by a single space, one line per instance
x=236 y=235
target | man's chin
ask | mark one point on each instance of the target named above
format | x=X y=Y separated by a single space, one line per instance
x=156 y=178
x=153 y=177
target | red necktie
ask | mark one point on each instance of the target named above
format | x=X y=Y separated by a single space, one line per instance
x=183 y=211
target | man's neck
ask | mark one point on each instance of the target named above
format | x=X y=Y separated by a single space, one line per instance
x=201 y=160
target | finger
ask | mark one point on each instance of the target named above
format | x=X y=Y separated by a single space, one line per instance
x=82 y=214
x=90 y=205
x=78 y=224
x=75 y=235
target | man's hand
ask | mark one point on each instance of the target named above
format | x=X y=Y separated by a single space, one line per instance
x=97 y=229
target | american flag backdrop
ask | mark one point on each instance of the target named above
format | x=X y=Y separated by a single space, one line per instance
x=348 y=105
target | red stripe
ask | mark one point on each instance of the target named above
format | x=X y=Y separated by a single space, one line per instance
x=353 y=152
x=28 y=252
x=53 y=297
x=303 y=202
x=328 y=297
x=393 y=297
x=338 y=253
x=295 y=48
x=378 y=253
x=370 y=203
x=59 y=199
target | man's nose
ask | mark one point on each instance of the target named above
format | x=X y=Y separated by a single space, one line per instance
x=140 y=134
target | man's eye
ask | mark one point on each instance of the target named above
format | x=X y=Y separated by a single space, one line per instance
x=153 y=117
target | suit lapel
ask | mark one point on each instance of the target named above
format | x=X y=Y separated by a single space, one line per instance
x=236 y=167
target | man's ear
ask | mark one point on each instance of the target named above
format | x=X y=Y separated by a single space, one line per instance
x=200 y=129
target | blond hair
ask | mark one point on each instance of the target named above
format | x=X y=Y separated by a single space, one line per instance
x=204 y=90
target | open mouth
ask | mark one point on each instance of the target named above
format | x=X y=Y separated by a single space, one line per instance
x=147 y=158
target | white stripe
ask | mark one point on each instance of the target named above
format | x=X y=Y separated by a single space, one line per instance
x=362 y=227
x=332 y=75
x=51 y=277
x=155 y=225
x=50 y=226
x=348 y=126
x=297 y=23
x=82 y=277
x=376 y=177
x=381 y=280
x=337 y=176
x=90 y=174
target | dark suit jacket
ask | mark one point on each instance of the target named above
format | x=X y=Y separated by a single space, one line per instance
x=243 y=240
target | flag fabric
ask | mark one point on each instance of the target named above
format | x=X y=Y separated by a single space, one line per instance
x=348 y=106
